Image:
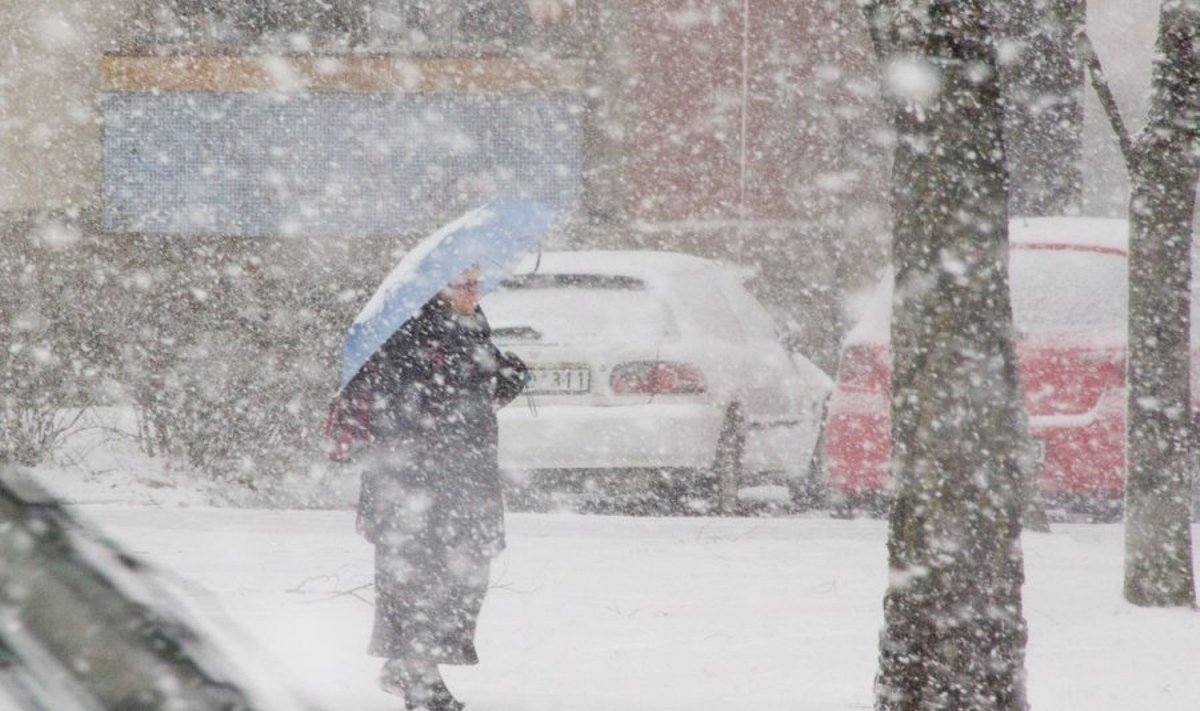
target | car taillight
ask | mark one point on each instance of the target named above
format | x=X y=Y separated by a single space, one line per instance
x=656 y=378
x=1062 y=380
x=866 y=367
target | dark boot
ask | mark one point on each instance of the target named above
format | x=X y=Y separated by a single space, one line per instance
x=442 y=700
x=421 y=685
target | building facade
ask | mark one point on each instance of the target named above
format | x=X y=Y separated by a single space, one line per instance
x=739 y=129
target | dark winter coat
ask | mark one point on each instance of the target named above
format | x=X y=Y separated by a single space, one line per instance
x=432 y=393
x=425 y=406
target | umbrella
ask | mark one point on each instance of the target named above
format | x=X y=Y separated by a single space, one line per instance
x=493 y=237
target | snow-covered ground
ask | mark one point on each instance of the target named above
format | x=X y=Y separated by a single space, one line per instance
x=603 y=613
x=591 y=613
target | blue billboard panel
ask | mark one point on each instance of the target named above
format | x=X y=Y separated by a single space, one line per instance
x=330 y=164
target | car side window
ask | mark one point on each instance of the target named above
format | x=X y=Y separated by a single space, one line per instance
x=755 y=321
x=706 y=306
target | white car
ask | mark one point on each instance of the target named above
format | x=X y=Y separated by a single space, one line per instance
x=653 y=373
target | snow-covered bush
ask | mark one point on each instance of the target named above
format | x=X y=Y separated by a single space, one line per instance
x=228 y=349
x=235 y=353
x=50 y=359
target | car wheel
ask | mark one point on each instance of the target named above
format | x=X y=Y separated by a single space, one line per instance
x=728 y=462
x=1106 y=509
x=522 y=497
x=841 y=508
x=872 y=505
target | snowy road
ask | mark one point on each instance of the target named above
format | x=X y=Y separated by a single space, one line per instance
x=601 y=614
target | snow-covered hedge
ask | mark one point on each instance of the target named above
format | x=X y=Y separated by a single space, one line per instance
x=227 y=349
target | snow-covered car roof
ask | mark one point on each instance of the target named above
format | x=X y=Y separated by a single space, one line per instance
x=1085 y=233
x=649 y=266
x=1101 y=232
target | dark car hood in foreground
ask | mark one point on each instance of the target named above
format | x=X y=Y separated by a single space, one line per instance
x=84 y=625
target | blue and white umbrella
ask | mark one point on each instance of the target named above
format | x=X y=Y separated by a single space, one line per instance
x=493 y=237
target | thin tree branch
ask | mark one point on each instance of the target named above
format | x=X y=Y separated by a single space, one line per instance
x=1087 y=52
x=303 y=588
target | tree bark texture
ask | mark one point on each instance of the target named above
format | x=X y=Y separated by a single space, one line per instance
x=1158 y=544
x=954 y=634
x=1043 y=97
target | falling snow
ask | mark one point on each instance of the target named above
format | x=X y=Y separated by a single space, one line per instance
x=204 y=204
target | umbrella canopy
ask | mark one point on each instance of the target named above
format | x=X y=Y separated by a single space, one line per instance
x=493 y=237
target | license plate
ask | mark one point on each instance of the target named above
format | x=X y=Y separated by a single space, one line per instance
x=557 y=380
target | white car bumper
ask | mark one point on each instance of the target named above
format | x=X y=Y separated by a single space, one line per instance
x=616 y=437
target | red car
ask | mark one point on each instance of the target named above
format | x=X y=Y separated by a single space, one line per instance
x=1069 y=291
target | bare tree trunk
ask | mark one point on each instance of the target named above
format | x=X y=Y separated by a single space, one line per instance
x=1158 y=543
x=954 y=635
x=1043 y=98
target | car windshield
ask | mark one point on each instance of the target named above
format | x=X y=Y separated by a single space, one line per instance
x=1067 y=288
x=577 y=308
